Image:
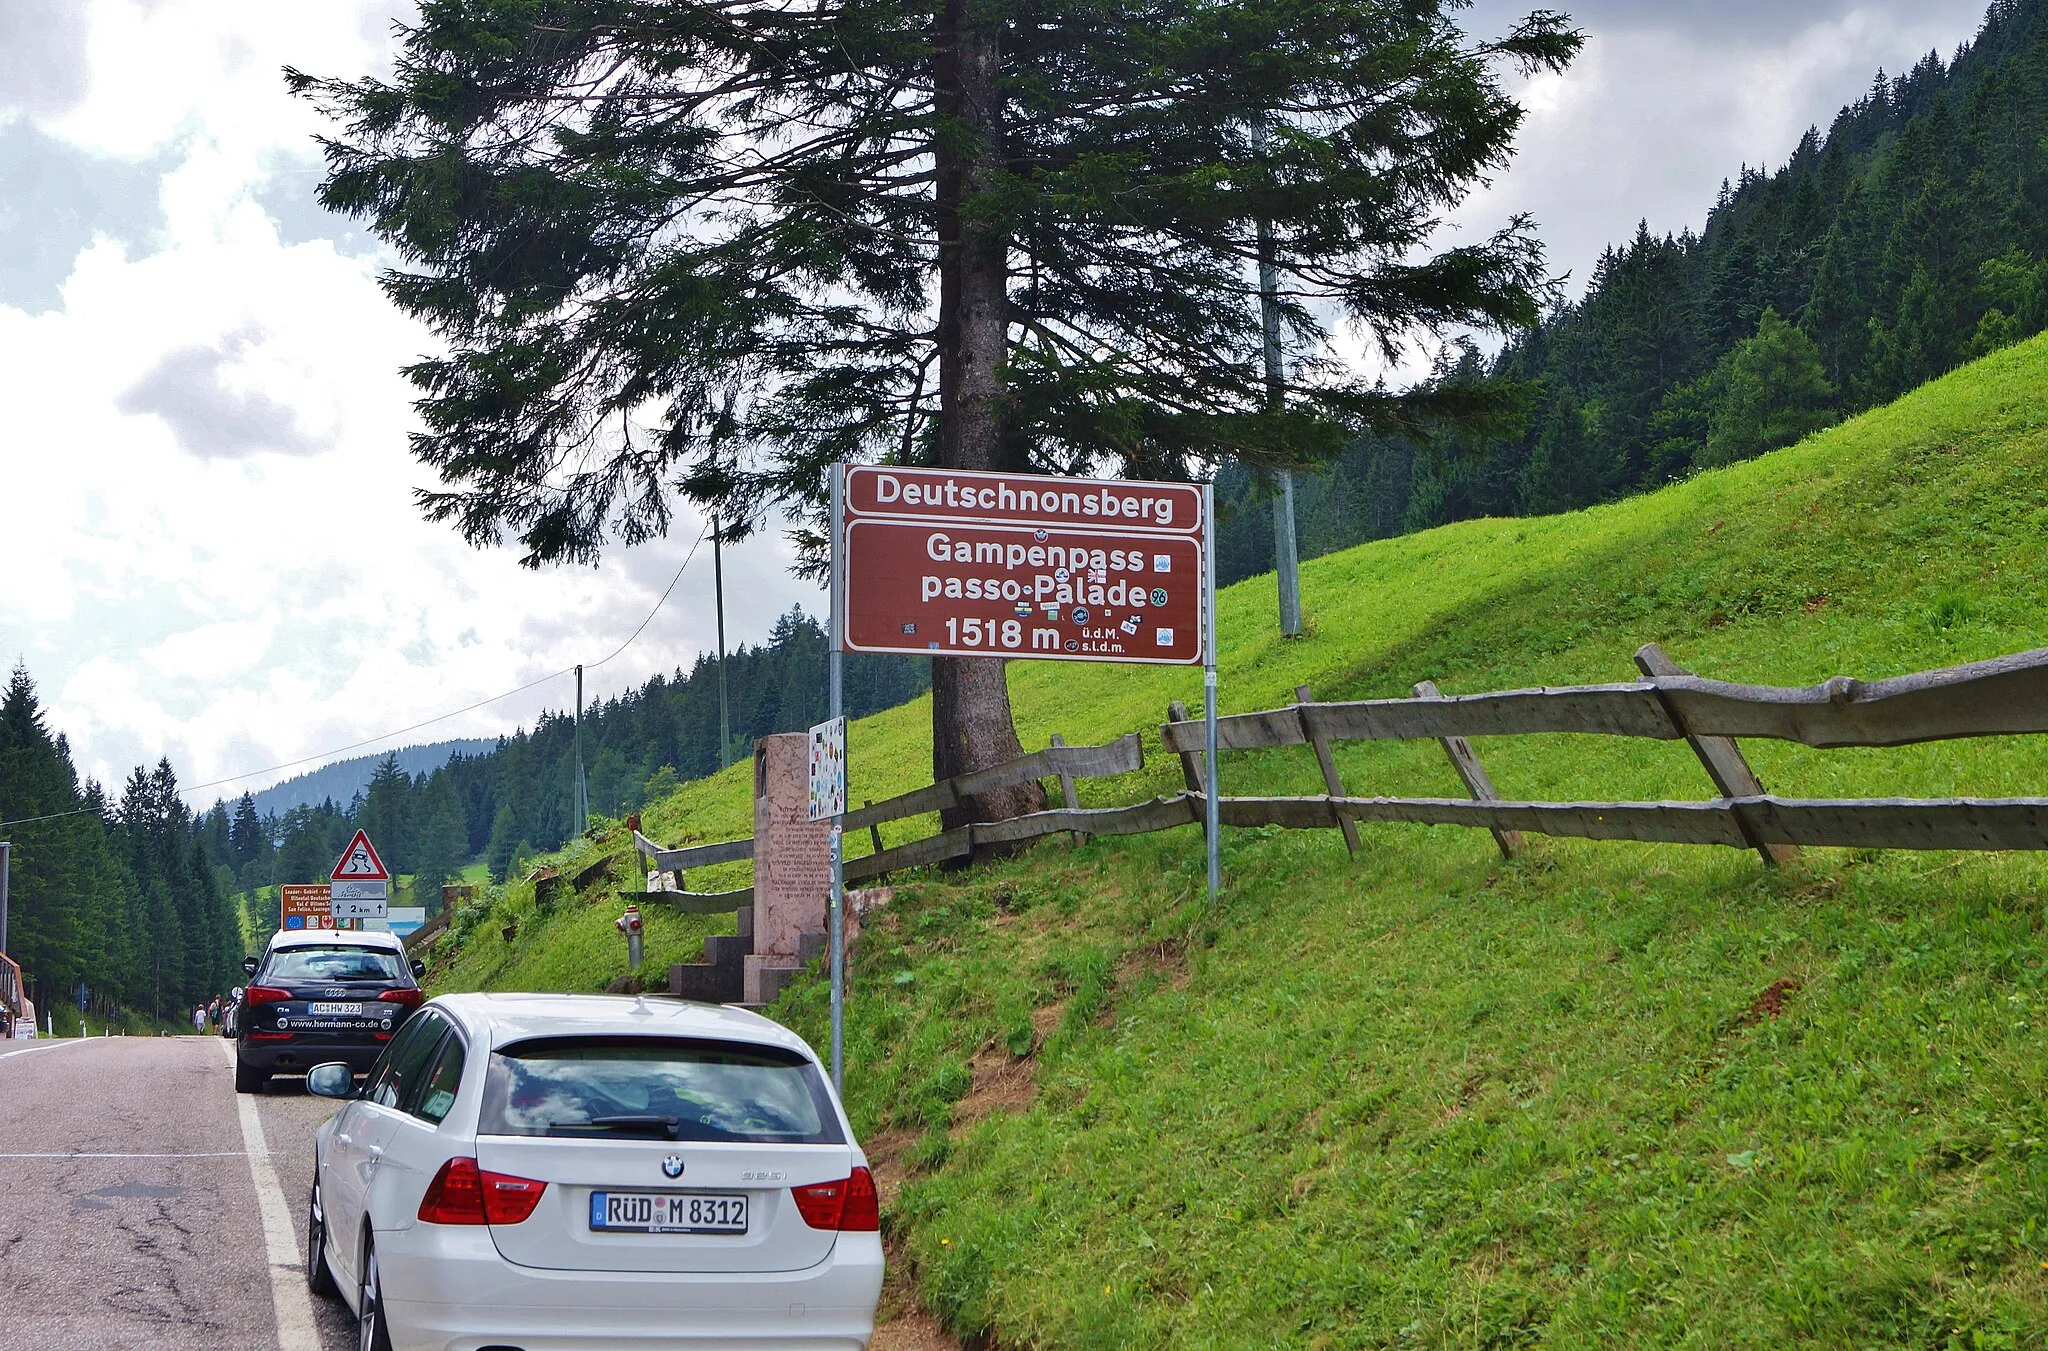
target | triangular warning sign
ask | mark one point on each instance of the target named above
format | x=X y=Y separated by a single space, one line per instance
x=359 y=862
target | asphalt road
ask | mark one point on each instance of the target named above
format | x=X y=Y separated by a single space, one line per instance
x=130 y=1212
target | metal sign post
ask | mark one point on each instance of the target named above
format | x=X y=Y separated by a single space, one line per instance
x=1212 y=791
x=835 y=917
x=6 y=861
x=961 y=563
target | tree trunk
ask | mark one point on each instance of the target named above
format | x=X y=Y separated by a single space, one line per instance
x=971 y=722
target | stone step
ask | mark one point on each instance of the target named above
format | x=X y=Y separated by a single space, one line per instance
x=728 y=950
x=766 y=975
x=714 y=984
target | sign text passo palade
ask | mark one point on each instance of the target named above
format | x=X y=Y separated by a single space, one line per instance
x=1008 y=590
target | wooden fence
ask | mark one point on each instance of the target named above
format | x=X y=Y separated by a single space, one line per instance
x=2005 y=696
x=1067 y=763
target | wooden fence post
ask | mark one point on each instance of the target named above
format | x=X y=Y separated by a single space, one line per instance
x=874 y=827
x=1312 y=728
x=1477 y=781
x=1190 y=761
x=1720 y=755
x=1067 y=794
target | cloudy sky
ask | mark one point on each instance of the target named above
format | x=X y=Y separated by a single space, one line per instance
x=208 y=547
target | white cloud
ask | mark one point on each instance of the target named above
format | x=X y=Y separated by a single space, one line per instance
x=224 y=562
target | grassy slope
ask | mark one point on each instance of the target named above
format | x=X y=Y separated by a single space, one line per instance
x=1424 y=1098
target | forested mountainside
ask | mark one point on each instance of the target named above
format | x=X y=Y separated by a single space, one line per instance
x=341 y=780
x=116 y=896
x=1902 y=242
x=518 y=797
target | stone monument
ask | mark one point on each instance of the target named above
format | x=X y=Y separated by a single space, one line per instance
x=792 y=865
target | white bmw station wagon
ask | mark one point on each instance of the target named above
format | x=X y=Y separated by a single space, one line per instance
x=542 y=1172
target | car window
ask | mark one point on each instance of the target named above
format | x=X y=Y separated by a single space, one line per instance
x=437 y=1089
x=678 y=1089
x=333 y=961
x=400 y=1067
x=381 y=1068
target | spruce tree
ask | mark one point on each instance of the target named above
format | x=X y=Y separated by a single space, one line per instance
x=443 y=838
x=1772 y=392
x=711 y=248
x=245 y=833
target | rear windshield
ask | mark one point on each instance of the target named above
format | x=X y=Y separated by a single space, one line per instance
x=656 y=1088
x=333 y=961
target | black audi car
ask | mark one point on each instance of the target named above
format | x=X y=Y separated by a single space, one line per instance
x=318 y=995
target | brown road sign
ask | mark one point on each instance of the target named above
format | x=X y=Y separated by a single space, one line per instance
x=306 y=906
x=1023 y=499
x=1018 y=591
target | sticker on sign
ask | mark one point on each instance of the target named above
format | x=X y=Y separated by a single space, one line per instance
x=828 y=770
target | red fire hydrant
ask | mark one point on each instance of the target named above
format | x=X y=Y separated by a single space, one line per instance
x=629 y=925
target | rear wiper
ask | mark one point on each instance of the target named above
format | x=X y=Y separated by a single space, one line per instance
x=664 y=1126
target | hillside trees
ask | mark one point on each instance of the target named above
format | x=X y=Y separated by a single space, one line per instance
x=708 y=248
x=1909 y=236
x=118 y=897
x=443 y=834
x=1771 y=392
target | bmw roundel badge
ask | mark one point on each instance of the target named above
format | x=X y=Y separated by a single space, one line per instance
x=672 y=1166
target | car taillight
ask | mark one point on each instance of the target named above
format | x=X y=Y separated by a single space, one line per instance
x=264 y=994
x=409 y=998
x=849 y=1205
x=462 y=1193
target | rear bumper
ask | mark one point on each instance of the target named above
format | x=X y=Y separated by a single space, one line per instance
x=447 y=1289
x=299 y=1055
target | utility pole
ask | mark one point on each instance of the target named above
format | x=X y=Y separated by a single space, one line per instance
x=582 y=792
x=6 y=860
x=718 y=589
x=1285 y=564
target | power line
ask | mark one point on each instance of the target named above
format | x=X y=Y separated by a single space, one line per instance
x=429 y=722
x=53 y=816
x=469 y=708
x=382 y=736
x=664 y=595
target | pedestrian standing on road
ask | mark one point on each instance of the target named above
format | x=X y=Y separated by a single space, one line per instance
x=199 y=1018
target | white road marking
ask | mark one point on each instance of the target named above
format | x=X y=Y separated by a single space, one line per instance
x=289 y=1298
x=235 y=1154
x=49 y=1046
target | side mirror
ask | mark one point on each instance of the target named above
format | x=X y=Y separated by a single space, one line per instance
x=249 y=966
x=419 y=968
x=331 y=1080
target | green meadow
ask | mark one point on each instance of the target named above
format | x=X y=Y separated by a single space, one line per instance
x=1604 y=1094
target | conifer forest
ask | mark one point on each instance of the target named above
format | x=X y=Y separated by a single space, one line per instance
x=1907 y=238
